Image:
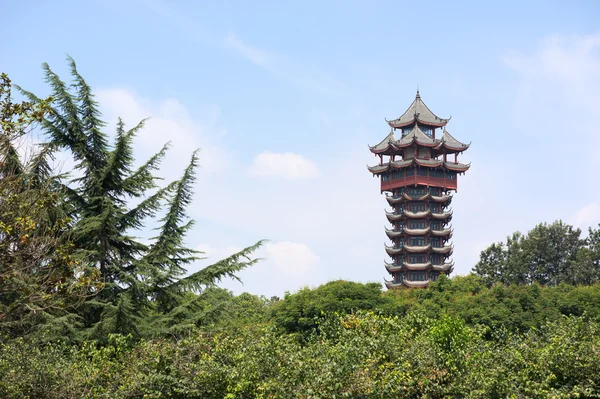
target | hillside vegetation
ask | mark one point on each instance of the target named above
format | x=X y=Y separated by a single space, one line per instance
x=88 y=310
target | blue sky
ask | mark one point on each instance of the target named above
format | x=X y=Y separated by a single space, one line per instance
x=284 y=97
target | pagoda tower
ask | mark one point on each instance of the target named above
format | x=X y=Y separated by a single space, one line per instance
x=418 y=168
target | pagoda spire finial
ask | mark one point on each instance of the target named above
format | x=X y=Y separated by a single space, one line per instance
x=418 y=95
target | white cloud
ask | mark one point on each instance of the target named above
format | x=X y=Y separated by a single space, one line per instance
x=588 y=216
x=169 y=121
x=287 y=165
x=291 y=258
x=565 y=66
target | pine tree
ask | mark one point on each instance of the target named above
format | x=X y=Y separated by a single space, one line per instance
x=143 y=283
x=40 y=276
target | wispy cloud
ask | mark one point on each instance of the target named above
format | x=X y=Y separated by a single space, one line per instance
x=284 y=68
x=253 y=54
x=287 y=165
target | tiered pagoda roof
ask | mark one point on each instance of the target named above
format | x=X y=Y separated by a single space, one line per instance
x=418 y=112
x=419 y=179
x=446 y=143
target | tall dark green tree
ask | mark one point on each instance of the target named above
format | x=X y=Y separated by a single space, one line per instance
x=549 y=254
x=40 y=275
x=140 y=279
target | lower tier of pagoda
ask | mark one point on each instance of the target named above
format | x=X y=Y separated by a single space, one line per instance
x=407 y=283
x=393 y=268
x=444 y=232
x=401 y=215
x=397 y=250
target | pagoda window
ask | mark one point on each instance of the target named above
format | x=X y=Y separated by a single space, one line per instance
x=417 y=241
x=422 y=171
x=397 y=174
x=417 y=224
x=433 y=190
x=435 y=242
x=435 y=259
x=417 y=207
x=416 y=190
x=427 y=130
x=417 y=276
x=399 y=259
x=417 y=259
x=434 y=208
x=406 y=131
x=435 y=225
x=398 y=277
x=438 y=173
x=433 y=276
x=410 y=172
x=400 y=242
x=450 y=175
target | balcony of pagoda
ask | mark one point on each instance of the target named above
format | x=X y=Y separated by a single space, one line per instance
x=407 y=283
x=449 y=184
x=398 y=215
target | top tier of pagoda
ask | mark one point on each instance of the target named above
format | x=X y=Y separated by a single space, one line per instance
x=418 y=125
x=418 y=112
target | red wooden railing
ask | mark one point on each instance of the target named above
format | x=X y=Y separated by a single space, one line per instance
x=416 y=179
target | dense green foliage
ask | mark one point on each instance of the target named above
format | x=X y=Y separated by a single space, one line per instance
x=41 y=278
x=89 y=310
x=548 y=255
x=354 y=356
x=60 y=234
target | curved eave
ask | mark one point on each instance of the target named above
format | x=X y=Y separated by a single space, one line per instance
x=451 y=148
x=396 y=124
x=427 y=143
x=417 y=111
x=441 y=198
x=416 y=266
x=390 y=267
x=446 y=267
x=442 y=233
x=393 y=251
x=393 y=233
x=392 y=217
x=389 y=150
x=450 y=143
x=441 y=250
x=402 y=164
x=429 y=163
x=404 y=144
x=416 y=215
x=378 y=168
x=457 y=167
x=384 y=145
x=416 y=232
x=393 y=200
x=416 y=284
x=424 y=197
x=390 y=285
x=423 y=248
x=443 y=215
